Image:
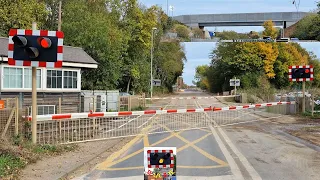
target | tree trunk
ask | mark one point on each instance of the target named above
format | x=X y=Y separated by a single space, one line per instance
x=128 y=85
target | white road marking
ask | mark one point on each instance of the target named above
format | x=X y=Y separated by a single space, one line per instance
x=252 y=172
x=228 y=177
x=236 y=173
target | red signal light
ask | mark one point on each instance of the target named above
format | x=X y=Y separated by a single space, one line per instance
x=307 y=71
x=44 y=42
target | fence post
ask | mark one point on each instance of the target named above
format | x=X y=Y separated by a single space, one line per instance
x=119 y=103
x=60 y=112
x=60 y=104
x=16 y=123
x=94 y=119
x=312 y=105
x=94 y=105
x=129 y=103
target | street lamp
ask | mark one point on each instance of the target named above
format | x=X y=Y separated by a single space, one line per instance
x=151 y=77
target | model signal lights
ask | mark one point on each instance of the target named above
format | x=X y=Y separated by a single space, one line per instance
x=160 y=159
x=301 y=73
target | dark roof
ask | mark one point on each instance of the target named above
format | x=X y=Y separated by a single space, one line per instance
x=70 y=54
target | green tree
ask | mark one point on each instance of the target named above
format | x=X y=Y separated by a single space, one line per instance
x=308 y=28
x=169 y=60
x=270 y=30
x=201 y=77
x=254 y=35
x=198 y=33
x=20 y=14
x=89 y=26
x=228 y=35
x=182 y=31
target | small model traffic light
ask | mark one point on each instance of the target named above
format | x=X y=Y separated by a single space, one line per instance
x=300 y=73
x=43 y=46
x=160 y=158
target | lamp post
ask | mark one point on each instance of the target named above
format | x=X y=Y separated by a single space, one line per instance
x=151 y=77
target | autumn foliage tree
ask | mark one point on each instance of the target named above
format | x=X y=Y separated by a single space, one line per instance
x=258 y=65
x=270 y=30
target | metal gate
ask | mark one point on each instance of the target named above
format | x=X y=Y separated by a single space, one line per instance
x=80 y=127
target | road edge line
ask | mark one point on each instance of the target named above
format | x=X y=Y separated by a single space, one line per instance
x=252 y=172
x=233 y=165
x=236 y=173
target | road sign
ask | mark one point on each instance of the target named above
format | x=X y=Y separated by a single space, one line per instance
x=35 y=48
x=301 y=73
x=234 y=82
x=156 y=82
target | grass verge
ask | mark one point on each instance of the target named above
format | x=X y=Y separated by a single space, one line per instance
x=18 y=153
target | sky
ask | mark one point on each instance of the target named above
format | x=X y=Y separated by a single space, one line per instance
x=187 y=7
x=198 y=53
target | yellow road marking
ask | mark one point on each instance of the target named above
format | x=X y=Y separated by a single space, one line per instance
x=106 y=165
x=182 y=167
x=118 y=153
x=145 y=141
x=125 y=168
x=201 y=167
x=194 y=142
x=207 y=155
x=145 y=136
x=110 y=160
x=124 y=149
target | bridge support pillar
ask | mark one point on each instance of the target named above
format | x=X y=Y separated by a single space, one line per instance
x=284 y=28
x=203 y=32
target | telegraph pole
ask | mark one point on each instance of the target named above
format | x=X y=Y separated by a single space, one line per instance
x=59 y=16
x=34 y=98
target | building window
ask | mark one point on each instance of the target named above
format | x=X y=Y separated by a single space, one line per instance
x=28 y=78
x=54 y=79
x=70 y=79
x=44 y=110
x=12 y=77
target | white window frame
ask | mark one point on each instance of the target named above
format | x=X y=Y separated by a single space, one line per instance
x=63 y=72
x=55 y=77
x=23 y=79
x=78 y=89
x=42 y=106
x=43 y=80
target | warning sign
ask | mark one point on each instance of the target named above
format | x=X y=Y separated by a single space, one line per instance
x=1 y=104
x=159 y=163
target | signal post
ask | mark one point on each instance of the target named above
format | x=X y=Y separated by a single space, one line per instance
x=301 y=74
x=35 y=48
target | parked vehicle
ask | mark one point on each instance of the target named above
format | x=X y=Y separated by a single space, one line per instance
x=124 y=94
